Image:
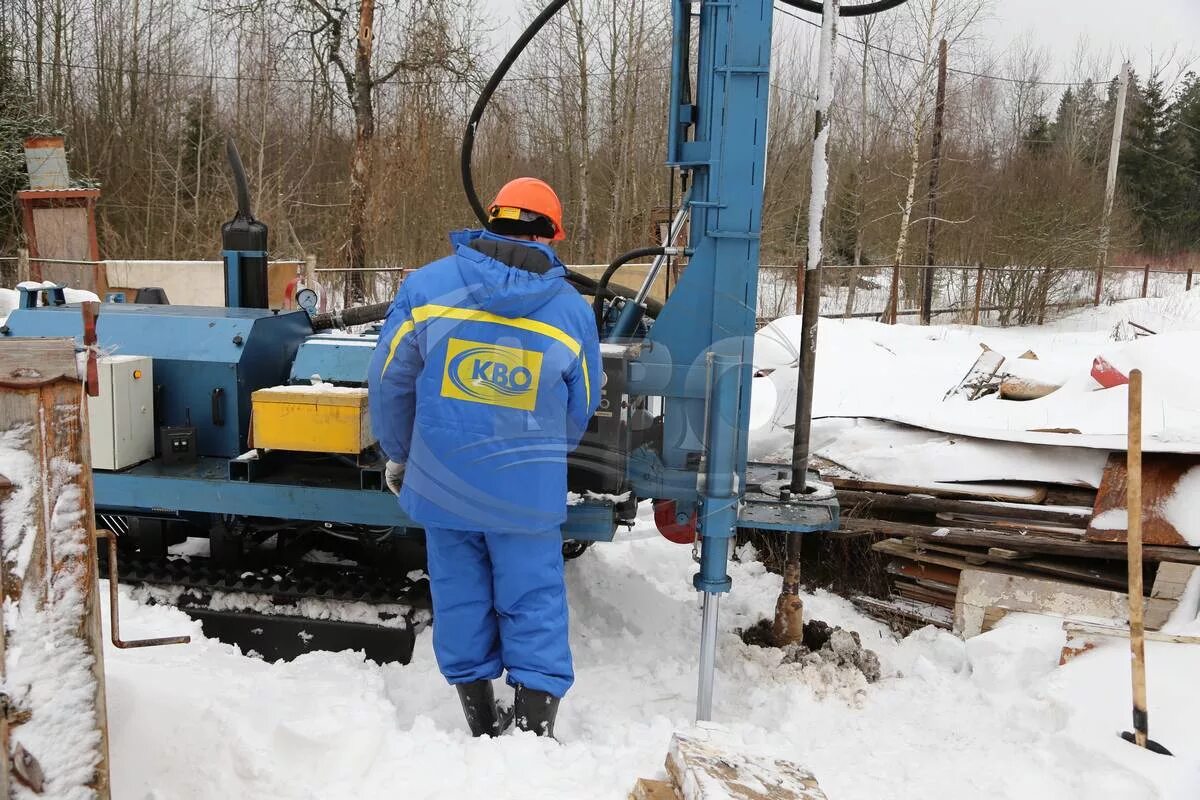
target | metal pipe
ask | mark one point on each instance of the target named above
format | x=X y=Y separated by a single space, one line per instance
x=114 y=623
x=657 y=264
x=348 y=317
x=708 y=656
x=788 y=625
x=633 y=312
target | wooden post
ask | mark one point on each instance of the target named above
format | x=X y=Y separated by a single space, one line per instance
x=1110 y=186
x=310 y=270
x=1146 y=281
x=23 y=273
x=1188 y=288
x=1133 y=504
x=52 y=659
x=939 y=113
x=800 y=282
x=978 y=294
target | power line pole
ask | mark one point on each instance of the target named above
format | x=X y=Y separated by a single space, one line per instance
x=1110 y=187
x=939 y=114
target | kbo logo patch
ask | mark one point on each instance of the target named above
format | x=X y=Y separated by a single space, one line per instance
x=490 y=373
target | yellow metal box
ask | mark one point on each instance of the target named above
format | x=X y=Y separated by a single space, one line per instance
x=311 y=419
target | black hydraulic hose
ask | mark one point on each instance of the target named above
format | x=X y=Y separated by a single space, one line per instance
x=485 y=97
x=241 y=186
x=581 y=282
x=359 y=315
x=602 y=291
x=861 y=10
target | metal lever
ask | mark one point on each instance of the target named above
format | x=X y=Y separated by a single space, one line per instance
x=91 y=312
x=218 y=407
x=113 y=595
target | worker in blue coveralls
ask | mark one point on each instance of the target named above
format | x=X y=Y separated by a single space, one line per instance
x=485 y=377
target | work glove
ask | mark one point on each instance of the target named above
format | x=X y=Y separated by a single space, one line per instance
x=393 y=475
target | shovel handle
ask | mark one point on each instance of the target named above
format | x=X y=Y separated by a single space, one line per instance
x=1133 y=504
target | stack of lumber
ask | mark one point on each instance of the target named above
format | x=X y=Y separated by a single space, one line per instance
x=702 y=769
x=962 y=555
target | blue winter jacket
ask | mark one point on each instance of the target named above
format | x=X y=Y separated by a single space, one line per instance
x=485 y=376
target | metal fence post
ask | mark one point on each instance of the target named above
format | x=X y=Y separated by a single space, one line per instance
x=978 y=294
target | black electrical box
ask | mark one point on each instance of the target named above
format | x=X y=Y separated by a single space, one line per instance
x=599 y=463
x=177 y=445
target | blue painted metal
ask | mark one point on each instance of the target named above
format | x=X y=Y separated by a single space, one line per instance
x=710 y=318
x=204 y=487
x=340 y=358
x=27 y=297
x=196 y=351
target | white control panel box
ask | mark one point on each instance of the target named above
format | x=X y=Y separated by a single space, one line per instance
x=122 y=417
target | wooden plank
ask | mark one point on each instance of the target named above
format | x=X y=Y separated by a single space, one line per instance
x=35 y=362
x=1076 y=628
x=874 y=502
x=922 y=594
x=980 y=377
x=704 y=770
x=1020 y=525
x=900 y=549
x=979 y=591
x=646 y=789
x=1161 y=473
x=1007 y=555
x=925 y=572
x=1028 y=565
x=1171 y=579
x=1013 y=493
x=1032 y=543
x=907 y=610
x=48 y=577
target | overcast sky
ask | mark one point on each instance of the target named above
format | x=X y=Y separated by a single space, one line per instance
x=1138 y=29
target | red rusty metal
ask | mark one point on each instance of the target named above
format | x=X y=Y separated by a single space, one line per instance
x=114 y=610
x=91 y=313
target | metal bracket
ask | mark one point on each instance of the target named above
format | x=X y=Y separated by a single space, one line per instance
x=113 y=603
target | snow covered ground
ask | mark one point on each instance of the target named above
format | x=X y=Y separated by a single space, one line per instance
x=994 y=717
x=902 y=373
x=990 y=718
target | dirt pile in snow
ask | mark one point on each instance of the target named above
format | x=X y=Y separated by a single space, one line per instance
x=832 y=660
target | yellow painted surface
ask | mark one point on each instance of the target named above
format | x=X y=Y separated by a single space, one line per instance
x=311 y=422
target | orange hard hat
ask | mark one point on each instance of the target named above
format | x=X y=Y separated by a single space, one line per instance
x=532 y=196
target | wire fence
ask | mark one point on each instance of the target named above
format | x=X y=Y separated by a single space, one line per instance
x=980 y=295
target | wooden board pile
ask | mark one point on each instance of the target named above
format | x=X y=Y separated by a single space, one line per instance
x=962 y=555
x=702 y=769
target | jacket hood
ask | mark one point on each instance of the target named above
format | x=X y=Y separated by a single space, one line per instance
x=501 y=288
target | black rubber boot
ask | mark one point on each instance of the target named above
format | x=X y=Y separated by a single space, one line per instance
x=535 y=711
x=479 y=707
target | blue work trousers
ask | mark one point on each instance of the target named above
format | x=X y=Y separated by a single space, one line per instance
x=500 y=605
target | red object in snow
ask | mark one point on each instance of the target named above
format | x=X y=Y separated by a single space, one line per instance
x=1107 y=375
x=671 y=529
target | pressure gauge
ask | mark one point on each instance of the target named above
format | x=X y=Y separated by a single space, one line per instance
x=308 y=300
